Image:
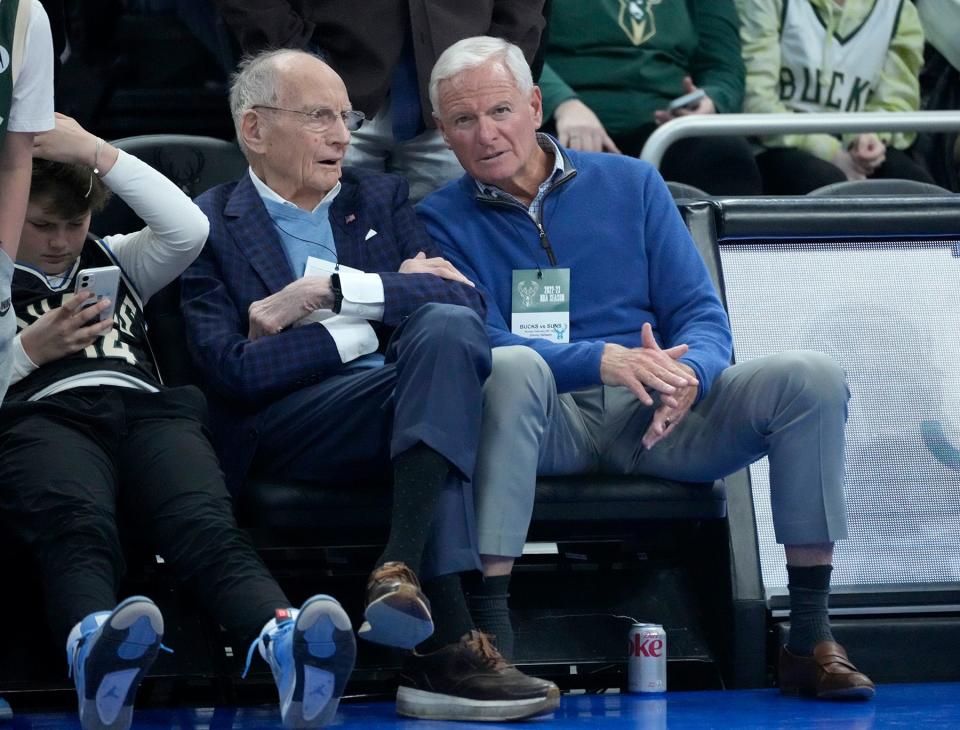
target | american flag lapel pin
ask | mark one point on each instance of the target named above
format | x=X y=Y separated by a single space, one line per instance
x=351 y=218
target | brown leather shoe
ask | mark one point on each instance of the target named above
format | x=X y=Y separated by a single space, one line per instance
x=470 y=680
x=828 y=674
x=397 y=612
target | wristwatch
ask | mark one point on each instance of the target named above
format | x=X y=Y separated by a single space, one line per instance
x=337 y=293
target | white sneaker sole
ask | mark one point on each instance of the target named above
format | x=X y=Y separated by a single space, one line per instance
x=435 y=706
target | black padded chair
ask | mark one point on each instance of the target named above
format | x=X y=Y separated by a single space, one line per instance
x=564 y=505
x=194 y=163
x=891 y=186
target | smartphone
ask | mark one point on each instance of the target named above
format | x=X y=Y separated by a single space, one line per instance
x=686 y=101
x=102 y=281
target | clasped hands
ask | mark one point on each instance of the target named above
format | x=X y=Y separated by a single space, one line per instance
x=861 y=158
x=650 y=366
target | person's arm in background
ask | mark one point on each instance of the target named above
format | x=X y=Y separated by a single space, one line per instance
x=31 y=110
x=577 y=125
x=262 y=24
x=717 y=66
x=760 y=38
x=16 y=161
x=898 y=89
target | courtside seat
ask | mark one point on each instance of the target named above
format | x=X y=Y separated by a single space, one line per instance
x=564 y=505
x=276 y=504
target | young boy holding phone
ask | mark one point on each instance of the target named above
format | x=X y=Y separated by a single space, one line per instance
x=91 y=440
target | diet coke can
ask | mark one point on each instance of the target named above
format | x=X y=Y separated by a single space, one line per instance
x=647 y=658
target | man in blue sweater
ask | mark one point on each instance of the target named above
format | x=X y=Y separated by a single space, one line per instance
x=613 y=351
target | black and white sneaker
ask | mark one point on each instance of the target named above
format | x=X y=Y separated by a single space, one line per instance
x=469 y=680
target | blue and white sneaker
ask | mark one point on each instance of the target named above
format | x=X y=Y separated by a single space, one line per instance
x=311 y=652
x=109 y=652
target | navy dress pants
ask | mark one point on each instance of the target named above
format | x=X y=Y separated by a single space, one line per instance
x=349 y=427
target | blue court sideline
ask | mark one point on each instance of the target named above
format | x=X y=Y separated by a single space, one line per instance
x=901 y=706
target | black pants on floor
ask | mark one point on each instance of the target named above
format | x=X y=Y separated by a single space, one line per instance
x=78 y=467
x=790 y=171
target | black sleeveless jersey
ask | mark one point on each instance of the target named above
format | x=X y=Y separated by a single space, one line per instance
x=123 y=349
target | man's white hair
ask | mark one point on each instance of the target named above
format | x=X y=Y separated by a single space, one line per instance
x=257 y=82
x=479 y=51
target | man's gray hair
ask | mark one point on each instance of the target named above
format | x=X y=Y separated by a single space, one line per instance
x=256 y=82
x=479 y=51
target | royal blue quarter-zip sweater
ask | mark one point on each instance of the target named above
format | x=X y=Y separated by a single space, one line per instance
x=612 y=222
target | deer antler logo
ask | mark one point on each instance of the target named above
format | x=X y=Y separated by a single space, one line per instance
x=527 y=291
x=184 y=169
x=637 y=21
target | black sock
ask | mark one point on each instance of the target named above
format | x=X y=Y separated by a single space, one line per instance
x=809 y=593
x=490 y=609
x=451 y=617
x=418 y=476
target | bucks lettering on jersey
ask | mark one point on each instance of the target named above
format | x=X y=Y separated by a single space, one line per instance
x=855 y=60
x=124 y=348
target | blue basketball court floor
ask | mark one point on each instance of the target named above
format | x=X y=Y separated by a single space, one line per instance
x=901 y=706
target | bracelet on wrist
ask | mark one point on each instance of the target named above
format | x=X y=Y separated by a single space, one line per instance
x=96 y=166
x=96 y=156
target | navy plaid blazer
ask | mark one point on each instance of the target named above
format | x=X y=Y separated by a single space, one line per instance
x=244 y=261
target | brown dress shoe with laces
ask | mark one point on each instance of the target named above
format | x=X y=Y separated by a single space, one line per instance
x=828 y=674
x=397 y=613
x=470 y=680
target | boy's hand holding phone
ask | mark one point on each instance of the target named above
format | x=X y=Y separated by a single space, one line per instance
x=67 y=329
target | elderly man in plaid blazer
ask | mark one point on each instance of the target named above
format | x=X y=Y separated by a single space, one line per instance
x=337 y=344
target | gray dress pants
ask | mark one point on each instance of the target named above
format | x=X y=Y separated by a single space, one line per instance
x=790 y=407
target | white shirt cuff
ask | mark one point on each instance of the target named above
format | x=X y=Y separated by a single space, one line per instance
x=22 y=365
x=353 y=336
x=362 y=295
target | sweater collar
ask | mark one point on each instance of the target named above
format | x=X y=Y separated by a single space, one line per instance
x=563 y=170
